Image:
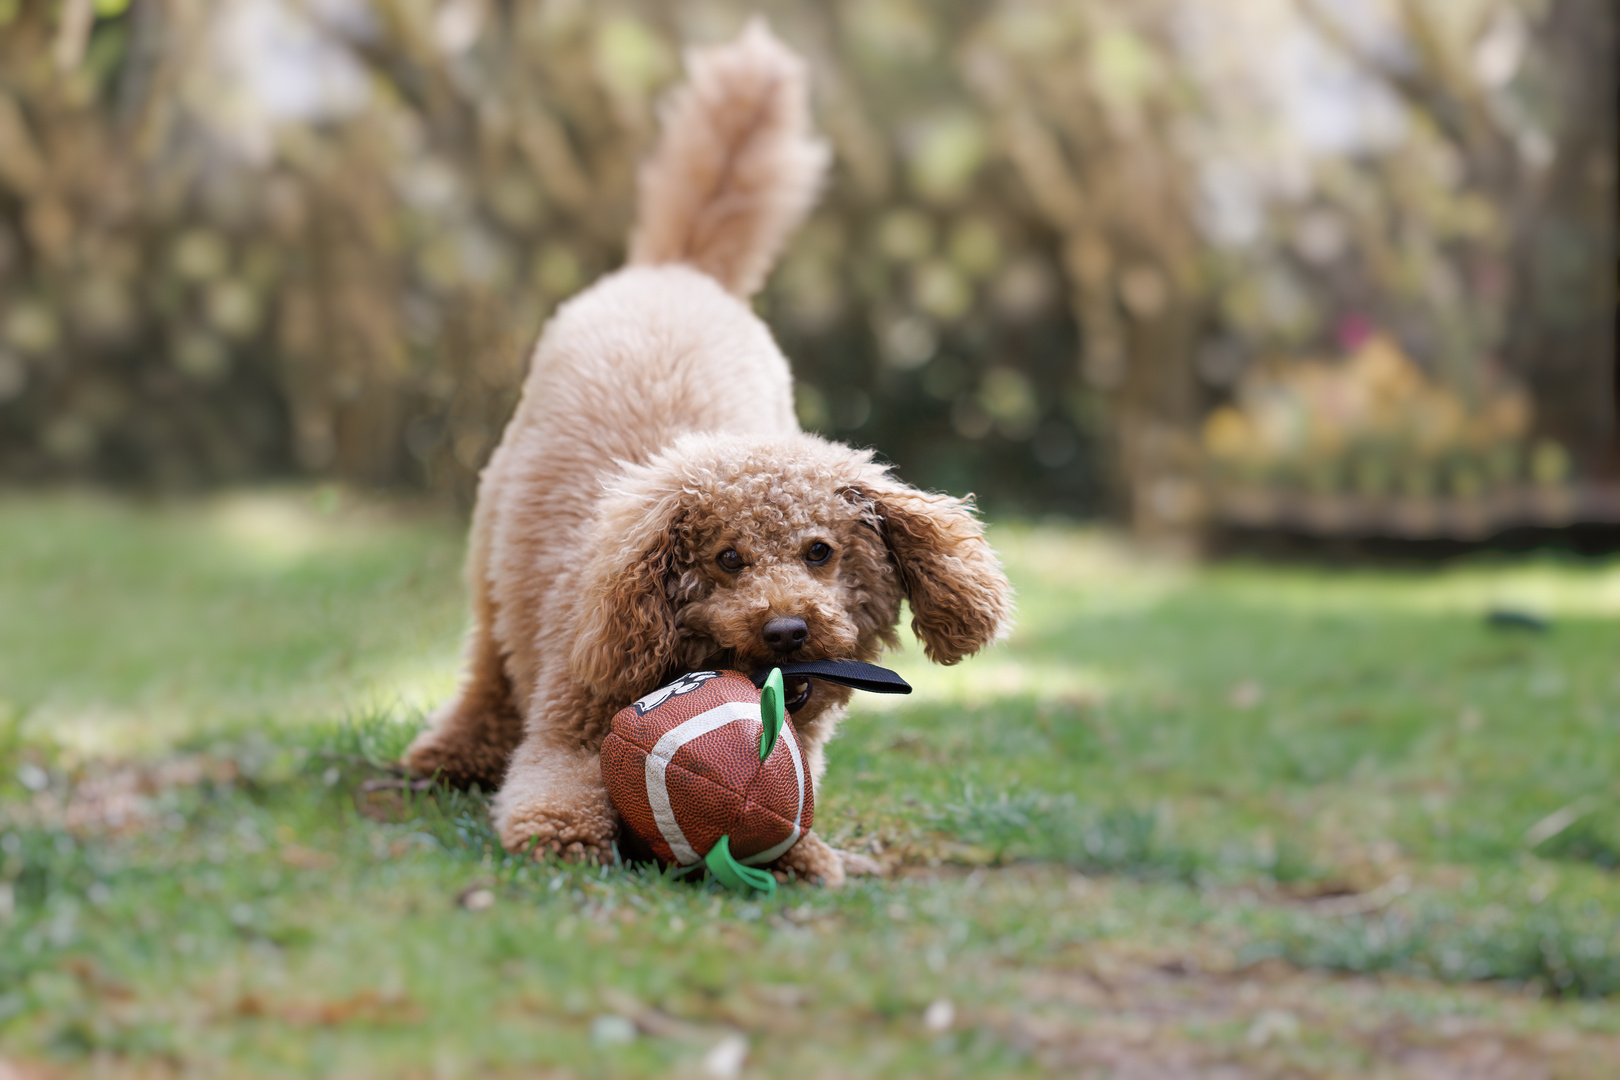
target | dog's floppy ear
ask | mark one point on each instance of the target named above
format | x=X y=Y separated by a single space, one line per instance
x=960 y=599
x=627 y=641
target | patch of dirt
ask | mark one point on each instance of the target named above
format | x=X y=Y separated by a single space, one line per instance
x=116 y=799
x=1122 y=1013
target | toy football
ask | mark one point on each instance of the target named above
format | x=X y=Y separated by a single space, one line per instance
x=708 y=769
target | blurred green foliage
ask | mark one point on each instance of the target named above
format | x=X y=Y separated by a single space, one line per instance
x=260 y=237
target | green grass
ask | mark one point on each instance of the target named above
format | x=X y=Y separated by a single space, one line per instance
x=128 y=628
x=1269 y=818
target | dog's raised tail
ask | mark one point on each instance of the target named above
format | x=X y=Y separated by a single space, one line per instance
x=737 y=167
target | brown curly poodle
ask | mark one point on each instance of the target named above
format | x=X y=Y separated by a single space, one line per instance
x=654 y=508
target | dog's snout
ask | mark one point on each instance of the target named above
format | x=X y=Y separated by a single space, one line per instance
x=785 y=633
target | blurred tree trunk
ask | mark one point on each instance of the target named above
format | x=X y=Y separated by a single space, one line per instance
x=1561 y=329
x=1558 y=283
x=1090 y=134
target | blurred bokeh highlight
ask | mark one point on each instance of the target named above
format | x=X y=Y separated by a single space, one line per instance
x=1340 y=267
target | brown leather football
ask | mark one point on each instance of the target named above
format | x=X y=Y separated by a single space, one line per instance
x=683 y=767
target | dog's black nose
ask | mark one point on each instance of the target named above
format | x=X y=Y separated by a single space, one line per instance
x=785 y=633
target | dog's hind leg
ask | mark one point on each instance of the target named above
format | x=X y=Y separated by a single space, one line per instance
x=471 y=737
x=474 y=733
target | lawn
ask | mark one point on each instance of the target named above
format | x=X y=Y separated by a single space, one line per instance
x=1267 y=820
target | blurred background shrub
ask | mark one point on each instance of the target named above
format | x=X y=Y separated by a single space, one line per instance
x=1349 y=265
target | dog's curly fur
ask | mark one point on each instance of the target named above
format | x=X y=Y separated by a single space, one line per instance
x=656 y=431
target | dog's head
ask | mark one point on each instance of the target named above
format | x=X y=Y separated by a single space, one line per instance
x=730 y=551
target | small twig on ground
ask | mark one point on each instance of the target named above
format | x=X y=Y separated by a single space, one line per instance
x=399 y=784
x=1557 y=821
x=393 y=768
x=1368 y=902
x=658 y=1023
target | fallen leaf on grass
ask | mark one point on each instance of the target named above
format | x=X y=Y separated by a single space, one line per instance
x=95 y=980
x=1246 y=695
x=303 y=858
x=365 y=1007
x=386 y=805
x=1314 y=890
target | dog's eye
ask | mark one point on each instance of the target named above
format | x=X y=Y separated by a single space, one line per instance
x=730 y=561
x=818 y=553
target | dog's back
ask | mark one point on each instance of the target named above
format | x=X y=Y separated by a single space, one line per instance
x=667 y=345
x=657 y=350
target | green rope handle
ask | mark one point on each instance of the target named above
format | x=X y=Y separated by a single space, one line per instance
x=733 y=874
x=727 y=870
x=772 y=701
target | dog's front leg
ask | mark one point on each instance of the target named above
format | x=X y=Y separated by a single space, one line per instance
x=553 y=799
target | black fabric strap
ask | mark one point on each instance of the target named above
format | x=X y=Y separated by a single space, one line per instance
x=868 y=677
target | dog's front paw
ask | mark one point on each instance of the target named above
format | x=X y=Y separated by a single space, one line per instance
x=578 y=834
x=813 y=860
x=580 y=831
x=553 y=804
